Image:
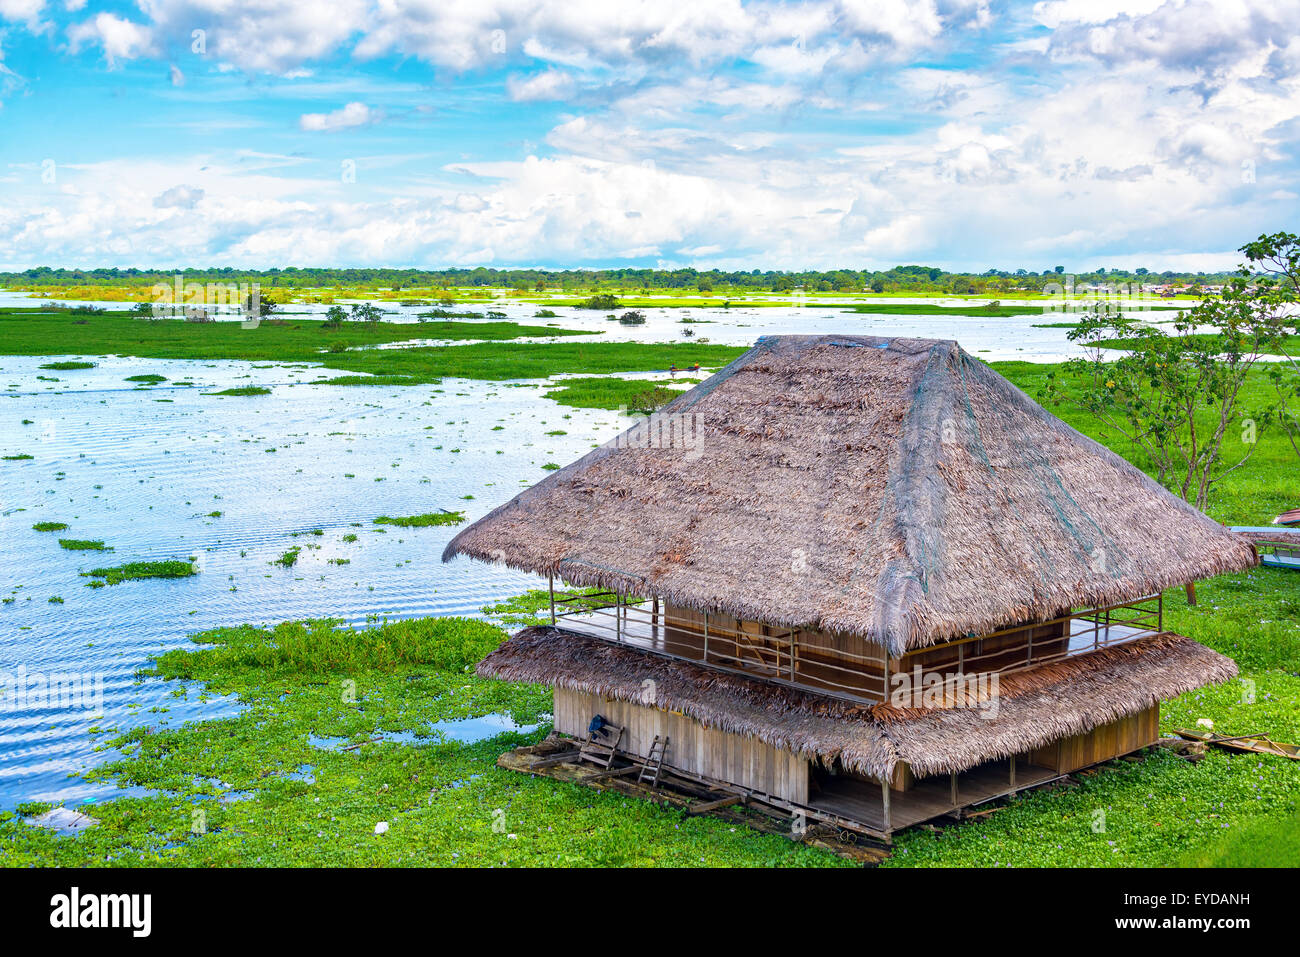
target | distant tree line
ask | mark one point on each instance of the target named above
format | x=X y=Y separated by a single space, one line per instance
x=625 y=281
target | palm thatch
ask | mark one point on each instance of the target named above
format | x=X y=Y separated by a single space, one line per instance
x=894 y=489
x=1035 y=707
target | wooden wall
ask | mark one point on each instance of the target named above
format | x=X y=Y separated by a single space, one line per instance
x=1101 y=743
x=736 y=759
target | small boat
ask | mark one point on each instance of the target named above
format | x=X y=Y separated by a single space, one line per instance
x=1254 y=743
x=1278 y=547
x=1288 y=518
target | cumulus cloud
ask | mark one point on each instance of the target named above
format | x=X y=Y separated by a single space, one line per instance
x=22 y=11
x=120 y=39
x=547 y=85
x=179 y=197
x=344 y=118
x=1202 y=36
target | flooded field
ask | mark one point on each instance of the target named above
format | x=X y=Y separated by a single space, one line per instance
x=168 y=470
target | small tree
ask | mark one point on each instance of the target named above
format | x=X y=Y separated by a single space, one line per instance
x=1176 y=393
x=334 y=317
x=365 y=312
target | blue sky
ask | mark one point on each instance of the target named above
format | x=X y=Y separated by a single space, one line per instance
x=962 y=133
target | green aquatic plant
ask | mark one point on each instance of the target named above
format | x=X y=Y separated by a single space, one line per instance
x=243 y=390
x=49 y=526
x=149 y=377
x=289 y=558
x=68 y=365
x=421 y=521
x=131 y=571
x=19 y=457
x=84 y=545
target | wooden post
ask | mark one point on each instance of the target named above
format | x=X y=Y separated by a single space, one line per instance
x=550 y=587
x=618 y=617
x=884 y=690
x=706 y=637
x=953 y=784
x=1013 y=770
x=884 y=795
x=794 y=651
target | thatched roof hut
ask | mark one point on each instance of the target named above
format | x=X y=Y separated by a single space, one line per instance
x=893 y=489
x=830 y=520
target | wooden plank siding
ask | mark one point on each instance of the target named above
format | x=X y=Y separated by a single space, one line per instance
x=1102 y=743
x=693 y=748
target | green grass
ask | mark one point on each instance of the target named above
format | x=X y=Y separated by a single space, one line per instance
x=243 y=390
x=68 y=365
x=49 y=526
x=289 y=558
x=422 y=521
x=1267 y=842
x=46 y=333
x=147 y=377
x=50 y=333
x=84 y=545
x=18 y=457
x=597 y=393
x=934 y=309
x=133 y=571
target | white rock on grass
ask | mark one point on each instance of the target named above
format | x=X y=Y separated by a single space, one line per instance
x=381 y=827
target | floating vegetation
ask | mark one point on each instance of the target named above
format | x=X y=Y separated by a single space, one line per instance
x=84 y=545
x=20 y=457
x=631 y=395
x=288 y=559
x=550 y=467
x=243 y=390
x=68 y=365
x=150 y=378
x=533 y=606
x=131 y=571
x=49 y=526
x=421 y=521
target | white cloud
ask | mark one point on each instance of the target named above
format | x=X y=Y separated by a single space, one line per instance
x=547 y=85
x=347 y=117
x=22 y=11
x=120 y=39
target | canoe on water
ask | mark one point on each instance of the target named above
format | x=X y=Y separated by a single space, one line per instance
x=1254 y=743
x=1288 y=518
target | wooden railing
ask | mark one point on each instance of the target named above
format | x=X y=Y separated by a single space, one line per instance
x=804 y=660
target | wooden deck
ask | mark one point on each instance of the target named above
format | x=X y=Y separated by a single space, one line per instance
x=930 y=798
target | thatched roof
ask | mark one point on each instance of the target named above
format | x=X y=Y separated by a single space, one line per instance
x=1034 y=707
x=895 y=489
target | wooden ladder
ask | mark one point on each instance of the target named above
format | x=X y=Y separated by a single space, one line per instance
x=602 y=746
x=654 y=761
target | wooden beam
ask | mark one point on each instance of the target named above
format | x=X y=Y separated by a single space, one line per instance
x=714 y=805
x=953 y=784
x=884 y=793
x=550 y=587
x=1191 y=593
